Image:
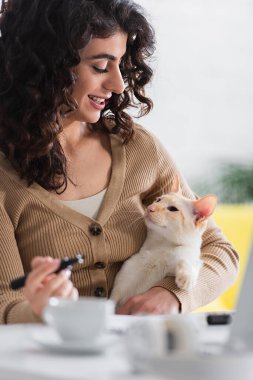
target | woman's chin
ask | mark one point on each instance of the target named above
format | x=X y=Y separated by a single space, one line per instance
x=93 y=120
x=88 y=117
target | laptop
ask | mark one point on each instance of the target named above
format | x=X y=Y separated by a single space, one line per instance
x=241 y=331
x=236 y=336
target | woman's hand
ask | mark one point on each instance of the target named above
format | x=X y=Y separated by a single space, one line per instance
x=42 y=283
x=154 y=301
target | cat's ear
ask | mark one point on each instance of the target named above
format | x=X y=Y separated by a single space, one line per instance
x=204 y=207
x=175 y=187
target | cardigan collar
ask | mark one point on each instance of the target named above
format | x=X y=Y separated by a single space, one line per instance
x=110 y=200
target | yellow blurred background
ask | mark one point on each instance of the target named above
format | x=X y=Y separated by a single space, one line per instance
x=236 y=222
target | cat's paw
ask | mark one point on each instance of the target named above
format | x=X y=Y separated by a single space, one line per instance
x=184 y=278
x=184 y=281
x=116 y=296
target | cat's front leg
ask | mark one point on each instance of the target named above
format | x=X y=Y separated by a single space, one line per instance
x=127 y=281
x=122 y=290
x=137 y=275
x=186 y=274
x=117 y=295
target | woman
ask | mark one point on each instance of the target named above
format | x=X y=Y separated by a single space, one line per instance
x=75 y=170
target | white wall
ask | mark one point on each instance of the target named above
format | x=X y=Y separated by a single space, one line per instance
x=203 y=84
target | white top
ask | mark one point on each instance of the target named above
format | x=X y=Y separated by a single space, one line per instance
x=87 y=206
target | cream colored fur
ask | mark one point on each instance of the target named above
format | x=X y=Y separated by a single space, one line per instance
x=172 y=246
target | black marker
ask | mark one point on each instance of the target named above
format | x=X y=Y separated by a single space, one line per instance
x=19 y=282
x=219 y=319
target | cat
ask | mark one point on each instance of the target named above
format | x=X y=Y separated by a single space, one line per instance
x=175 y=225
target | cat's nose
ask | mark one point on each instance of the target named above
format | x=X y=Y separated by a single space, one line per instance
x=151 y=208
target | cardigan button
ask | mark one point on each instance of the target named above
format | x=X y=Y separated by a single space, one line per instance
x=95 y=230
x=99 y=265
x=99 y=292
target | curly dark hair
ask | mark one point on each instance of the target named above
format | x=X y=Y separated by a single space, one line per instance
x=39 y=45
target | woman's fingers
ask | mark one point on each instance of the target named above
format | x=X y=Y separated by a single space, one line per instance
x=42 y=283
x=156 y=300
x=39 y=273
x=74 y=295
x=59 y=281
x=59 y=285
x=66 y=289
x=38 y=260
x=63 y=290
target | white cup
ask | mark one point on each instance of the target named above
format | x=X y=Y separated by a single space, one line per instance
x=81 y=320
x=157 y=337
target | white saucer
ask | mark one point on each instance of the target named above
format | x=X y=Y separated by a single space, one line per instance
x=51 y=341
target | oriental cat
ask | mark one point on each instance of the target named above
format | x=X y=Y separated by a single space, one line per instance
x=175 y=226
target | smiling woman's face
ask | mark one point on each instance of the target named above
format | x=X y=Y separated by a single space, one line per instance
x=98 y=76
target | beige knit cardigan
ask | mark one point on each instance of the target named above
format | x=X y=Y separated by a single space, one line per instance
x=33 y=222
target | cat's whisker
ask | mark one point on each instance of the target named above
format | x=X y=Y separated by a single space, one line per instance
x=135 y=221
x=133 y=212
x=137 y=215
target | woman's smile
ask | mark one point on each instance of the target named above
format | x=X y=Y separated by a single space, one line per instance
x=98 y=76
x=97 y=102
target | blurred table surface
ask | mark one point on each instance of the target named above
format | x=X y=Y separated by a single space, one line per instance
x=21 y=357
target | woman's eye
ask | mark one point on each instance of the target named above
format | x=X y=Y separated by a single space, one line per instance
x=172 y=208
x=99 y=70
x=158 y=199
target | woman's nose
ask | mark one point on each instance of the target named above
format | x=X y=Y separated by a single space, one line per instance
x=115 y=82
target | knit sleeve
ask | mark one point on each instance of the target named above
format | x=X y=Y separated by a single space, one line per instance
x=219 y=257
x=13 y=306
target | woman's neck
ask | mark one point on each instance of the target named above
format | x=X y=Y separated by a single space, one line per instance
x=89 y=161
x=73 y=135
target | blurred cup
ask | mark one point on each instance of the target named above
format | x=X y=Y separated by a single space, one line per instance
x=160 y=337
x=81 y=320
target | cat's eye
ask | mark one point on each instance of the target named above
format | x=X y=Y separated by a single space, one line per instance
x=172 y=208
